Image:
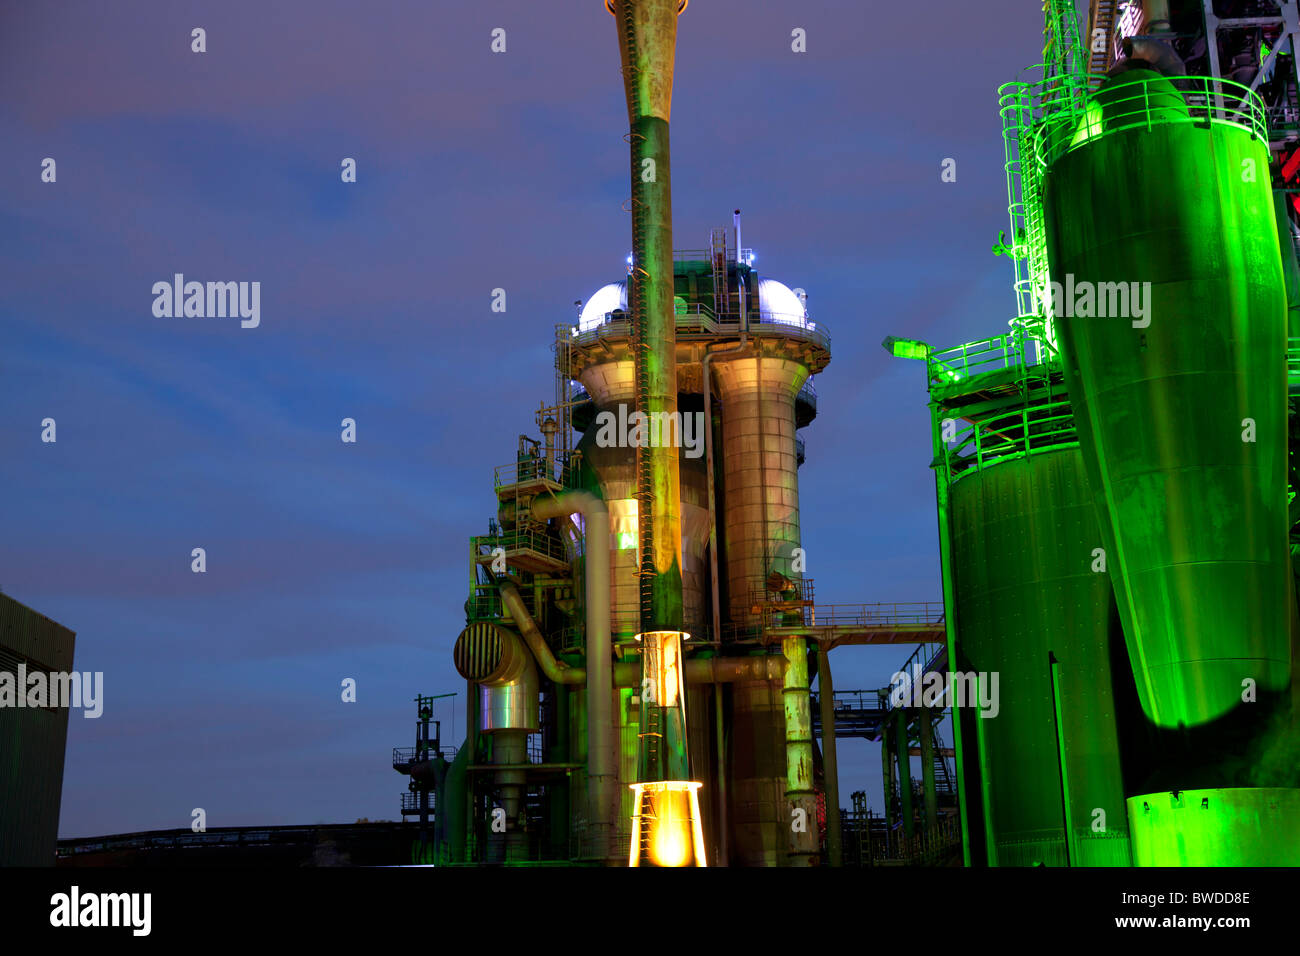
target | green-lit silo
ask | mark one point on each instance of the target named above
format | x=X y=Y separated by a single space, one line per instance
x=1030 y=609
x=1170 y=311
x=1255 y=826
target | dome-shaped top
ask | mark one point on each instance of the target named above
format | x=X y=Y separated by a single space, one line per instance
x=603 y=301
x=777 y=302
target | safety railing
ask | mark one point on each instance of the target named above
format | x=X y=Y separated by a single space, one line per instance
x=528 y=539
x=705 y=255
x=961 y=362
x=924 y=657
x=700 y=321
x=1068 y=121
x=1293 y=359
x=529 y=469
x=411 y=802
x=404 y=756
x=1014 y=432
x=855 y=700
x=857 y=615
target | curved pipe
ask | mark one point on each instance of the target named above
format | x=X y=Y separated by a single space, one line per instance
x=1157 y=52
x=602 y=765
x=556 y=671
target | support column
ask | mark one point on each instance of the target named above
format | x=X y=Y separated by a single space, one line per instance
x=830 y=758
x=927 y=772
x=904 y=772
x=887 y=771
x=799 y=793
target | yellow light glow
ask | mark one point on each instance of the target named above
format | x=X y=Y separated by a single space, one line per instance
x=669 y=678
x=668 y=846
x=666 y=823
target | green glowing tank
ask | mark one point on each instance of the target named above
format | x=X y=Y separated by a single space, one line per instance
x=1023 y=532
x=1179 y=396
x=1236 y=826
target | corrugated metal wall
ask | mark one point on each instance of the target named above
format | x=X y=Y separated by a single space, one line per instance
x=32 y=740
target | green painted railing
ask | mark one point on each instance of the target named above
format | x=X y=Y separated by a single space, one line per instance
x=1066 y=120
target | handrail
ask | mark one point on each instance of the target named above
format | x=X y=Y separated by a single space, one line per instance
x=962 y=362
x=1066 y=121
x=529 y=539
x=884 y=615
x=703 y=322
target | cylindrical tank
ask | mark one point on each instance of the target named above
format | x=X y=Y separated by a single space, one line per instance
x=760 y=522
x=612 y=477
x=1235 y=826
x=506 y=674
x=756 y=747
x=1180 y=398
x=1023 y=532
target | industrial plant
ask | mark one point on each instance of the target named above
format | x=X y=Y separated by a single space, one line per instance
x=1105 y=678
x=1114 y=495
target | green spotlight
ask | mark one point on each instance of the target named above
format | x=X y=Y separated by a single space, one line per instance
x=906 y=348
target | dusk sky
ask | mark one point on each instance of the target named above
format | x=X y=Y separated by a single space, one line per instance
x=475 y=170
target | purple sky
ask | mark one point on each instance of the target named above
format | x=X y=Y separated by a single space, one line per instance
x=475 y=171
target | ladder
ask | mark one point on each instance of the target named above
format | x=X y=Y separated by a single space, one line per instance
x=718 y=256
x=1102 y=18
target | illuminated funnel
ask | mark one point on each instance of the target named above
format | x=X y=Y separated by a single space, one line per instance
x=647 y=32
x=666 y=827
x=1170 y=310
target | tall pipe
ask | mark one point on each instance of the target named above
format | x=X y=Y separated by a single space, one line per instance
x=929 y=794
x=647 y=31
x=830 y=755
x=904 y=771
x=801 y=799
x=708 y=459
x=602 y=762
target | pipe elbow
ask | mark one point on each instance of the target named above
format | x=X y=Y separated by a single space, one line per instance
x=555 y=671
x=567 y=503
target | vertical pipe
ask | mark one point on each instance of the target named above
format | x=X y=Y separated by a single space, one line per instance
x=736 y=219
x=710 y=476
x=602 y=766
x=510 y=748
x=721 y=731
x=950 y=628
x=904 y=771
x=801 y=799
x=1053 y=666
x=471 y=741
x=830 y=758
x=561 y=798
x=927 y=774
x=647 y=32
x=887 y=773
x=982 y=769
